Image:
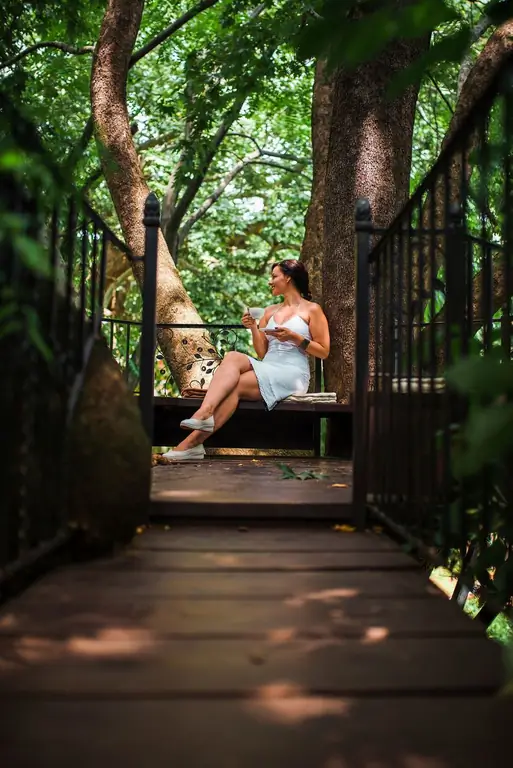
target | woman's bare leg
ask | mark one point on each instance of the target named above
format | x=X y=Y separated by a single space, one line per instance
x=247 y=389
x=224 y=382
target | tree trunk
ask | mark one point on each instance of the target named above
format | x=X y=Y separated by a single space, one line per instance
x=477 y=80
x=313 y=243
x=129 y=190
x=369 y=156
x=472 y=88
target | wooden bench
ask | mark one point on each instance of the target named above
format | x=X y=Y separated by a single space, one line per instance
x=291 y=425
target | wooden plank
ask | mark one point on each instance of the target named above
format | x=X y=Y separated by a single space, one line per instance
x=193 y=403
x=134 y=662
x=177 y=507
x=414 y=617
x=253 y=538
x=252 y=486
x=219 y=561
x=79 y=583
x=300 y=732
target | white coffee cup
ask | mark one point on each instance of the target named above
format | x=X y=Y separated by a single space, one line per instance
x=256 y=312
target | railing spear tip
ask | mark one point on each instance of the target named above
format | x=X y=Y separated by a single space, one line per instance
x=151 y=211
x=363 y=209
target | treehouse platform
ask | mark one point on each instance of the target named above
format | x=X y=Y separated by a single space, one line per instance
x=248 y=488
x=231 y=647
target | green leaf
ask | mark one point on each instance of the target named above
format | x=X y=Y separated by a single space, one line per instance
x=8 y=309
x=33 y=255
x=494 y=555
x=310 y=475
x=487 y=436
x=503 y=579
x=10 y=327
x=486 y=378
x=34 y=333
x=287 y=472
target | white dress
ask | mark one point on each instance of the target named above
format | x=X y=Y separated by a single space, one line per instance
x=284 y=369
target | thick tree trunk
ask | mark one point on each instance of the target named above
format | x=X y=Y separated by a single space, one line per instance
x=313 y=244
x=129 y=190
x=312 y=248
x=369 y=156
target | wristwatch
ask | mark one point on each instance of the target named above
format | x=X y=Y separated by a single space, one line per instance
x=304 y=344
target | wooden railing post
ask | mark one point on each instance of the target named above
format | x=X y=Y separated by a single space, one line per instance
x=149 y=294
x=363 y=225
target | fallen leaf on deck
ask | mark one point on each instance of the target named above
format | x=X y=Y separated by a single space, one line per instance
x=344 y=528
x=339 y=485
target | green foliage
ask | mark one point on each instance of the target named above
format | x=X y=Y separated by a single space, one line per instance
x=481 y=514
x=349 y=33
x=289 y=474
x=487 y=383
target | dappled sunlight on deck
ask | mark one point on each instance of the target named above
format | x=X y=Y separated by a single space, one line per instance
x=109 y=643
x=286 y=703
x=325 y=596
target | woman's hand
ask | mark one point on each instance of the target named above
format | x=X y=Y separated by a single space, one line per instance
x=248 y=321
x=285 y=334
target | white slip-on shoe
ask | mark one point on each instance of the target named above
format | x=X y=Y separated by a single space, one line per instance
x=191 y=454
x=204 y=425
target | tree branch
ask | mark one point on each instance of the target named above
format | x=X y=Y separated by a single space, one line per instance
x=288 y=156
x=289 y=168
x=467 y=63
x=209 y=202
x=64 y=47
x=254 y=158
x=195 y=183
x=79 y=149
x=269 y=153
x=441 y=93
x=174 y=27
x=164 y=138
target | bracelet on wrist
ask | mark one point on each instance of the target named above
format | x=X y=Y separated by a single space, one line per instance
x=304 y=344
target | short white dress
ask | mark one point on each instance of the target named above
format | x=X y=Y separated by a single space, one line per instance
x=284 y=369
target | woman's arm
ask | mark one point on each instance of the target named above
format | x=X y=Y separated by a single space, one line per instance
x=320 y=344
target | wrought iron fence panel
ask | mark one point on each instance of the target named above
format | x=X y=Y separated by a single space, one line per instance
x=435 y=288
x=52 y=281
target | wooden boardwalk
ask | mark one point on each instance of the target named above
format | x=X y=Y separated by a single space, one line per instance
x=244 y=647
x=245 y=488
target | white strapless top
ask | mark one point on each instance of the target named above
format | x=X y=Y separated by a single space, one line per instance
x=296 y=324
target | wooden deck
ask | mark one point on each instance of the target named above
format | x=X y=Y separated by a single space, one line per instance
x=246 y=488
x=242 y=647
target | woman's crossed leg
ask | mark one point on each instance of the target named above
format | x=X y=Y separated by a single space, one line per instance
x=234 y=380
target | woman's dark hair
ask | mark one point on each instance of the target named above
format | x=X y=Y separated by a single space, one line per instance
x=298 y=273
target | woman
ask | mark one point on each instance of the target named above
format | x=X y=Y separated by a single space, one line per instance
x=285 y=335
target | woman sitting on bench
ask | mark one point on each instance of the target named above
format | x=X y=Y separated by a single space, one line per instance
x=283 y=338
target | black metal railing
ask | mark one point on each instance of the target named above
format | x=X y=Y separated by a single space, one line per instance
x=54 y=249
x=207 y=344
x=433 y=290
